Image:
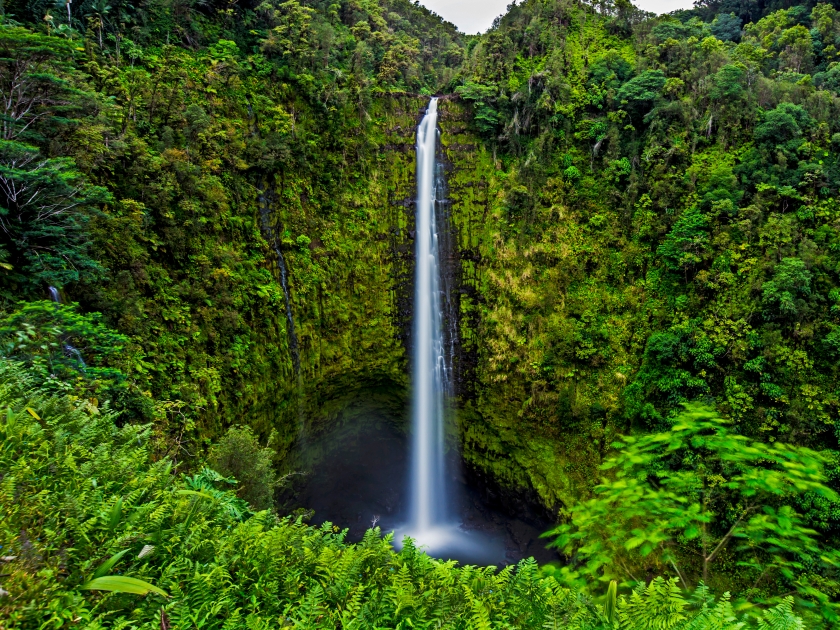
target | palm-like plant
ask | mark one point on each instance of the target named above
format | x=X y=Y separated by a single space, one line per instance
x=99 y=11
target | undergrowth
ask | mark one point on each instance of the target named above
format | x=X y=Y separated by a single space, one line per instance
x=96 y=534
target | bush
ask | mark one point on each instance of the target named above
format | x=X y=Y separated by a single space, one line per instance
x=238 y=454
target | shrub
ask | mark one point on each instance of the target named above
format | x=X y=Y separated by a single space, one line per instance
x=239 y=454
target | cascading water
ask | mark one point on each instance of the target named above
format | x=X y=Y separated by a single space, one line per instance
x=271 y=236
x=429 y=369
x=430 y=523
x=69 y=350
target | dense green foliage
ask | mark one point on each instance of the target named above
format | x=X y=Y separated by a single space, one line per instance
x=698 y=498
x=147 y=164
x=689 y=209
x=645 y=212
x=663 y=230
x=238 y=455
x=96 y=534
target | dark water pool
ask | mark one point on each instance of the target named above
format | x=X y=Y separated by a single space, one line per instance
x=356 y=475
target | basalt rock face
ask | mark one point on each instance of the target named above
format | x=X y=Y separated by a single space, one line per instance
x=458 y=212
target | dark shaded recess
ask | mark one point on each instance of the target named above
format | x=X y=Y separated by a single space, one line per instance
x=464 y=358
x=355 y=469
x=520 y=502
x=452 y=285
x=356 y=472
x=347 y=398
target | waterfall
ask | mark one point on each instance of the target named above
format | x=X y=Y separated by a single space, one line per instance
x=430 y=373
x=270 y=234
x=69 y=350
x=271 y=237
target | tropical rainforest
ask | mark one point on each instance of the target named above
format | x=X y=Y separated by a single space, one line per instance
x=207 y=223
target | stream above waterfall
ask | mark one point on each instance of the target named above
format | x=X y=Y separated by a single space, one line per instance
x=357 y=472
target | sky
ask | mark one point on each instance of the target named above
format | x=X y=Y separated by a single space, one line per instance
x=476 y=16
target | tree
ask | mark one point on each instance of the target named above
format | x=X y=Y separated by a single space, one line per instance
x=293 y=39
x=829 y=80
x=60 y=339
x=482 y=96
x=44 y=202
x=687 y=241
x=639 y=93
x=777 y=158
x=728 y=82
x=685 y=497
x=668 y=375
x=784 y=126
x=797 y=49
x=726 y=27
x=44 y=206
x=719 y=190
x=785 y=295
x=99 y=10
x=33 y=80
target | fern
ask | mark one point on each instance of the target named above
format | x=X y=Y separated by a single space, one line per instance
x=64 y=471
x=658 y=606
x=480 y=618
x=781 y=617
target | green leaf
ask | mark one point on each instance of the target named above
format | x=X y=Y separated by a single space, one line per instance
x=204 y=495
x=109 y=563
x=610 y=602
x=121 y=584
x=115 y=514
x=691 y=532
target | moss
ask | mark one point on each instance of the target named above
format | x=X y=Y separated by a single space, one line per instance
x=351 y=292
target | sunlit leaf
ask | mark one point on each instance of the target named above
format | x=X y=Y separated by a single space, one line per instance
x=122 y=584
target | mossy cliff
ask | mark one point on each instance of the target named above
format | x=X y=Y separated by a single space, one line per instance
x=514 y=429
x=350 y=265
x=348 y=255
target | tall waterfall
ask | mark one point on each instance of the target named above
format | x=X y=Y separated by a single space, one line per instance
x=434 y=520
x=430 y=371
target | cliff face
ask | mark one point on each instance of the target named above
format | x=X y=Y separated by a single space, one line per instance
x=351 y=290
x=196 y=281
x=350 y=260
x=515 y=432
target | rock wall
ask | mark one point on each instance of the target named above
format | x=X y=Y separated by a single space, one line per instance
x=351 y=281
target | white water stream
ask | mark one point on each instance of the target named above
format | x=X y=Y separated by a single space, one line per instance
x=429 y=374
x=430 y=489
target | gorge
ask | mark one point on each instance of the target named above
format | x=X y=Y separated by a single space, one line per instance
x=432 y=504
x=607 y=295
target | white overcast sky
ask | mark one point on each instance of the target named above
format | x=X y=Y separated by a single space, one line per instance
x=476 y=16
